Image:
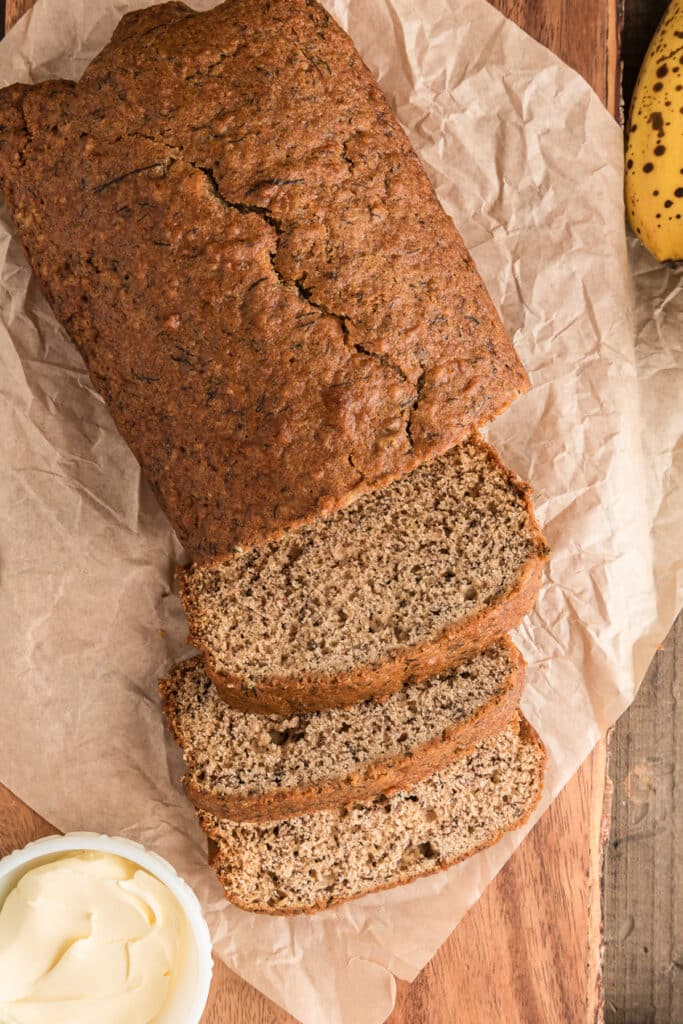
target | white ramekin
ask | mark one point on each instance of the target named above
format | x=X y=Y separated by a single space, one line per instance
x=191 y=990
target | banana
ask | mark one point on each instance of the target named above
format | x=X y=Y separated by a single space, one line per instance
x=654 y=145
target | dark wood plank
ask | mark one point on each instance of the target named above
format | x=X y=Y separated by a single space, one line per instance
x=644 y=864
x=642 y=18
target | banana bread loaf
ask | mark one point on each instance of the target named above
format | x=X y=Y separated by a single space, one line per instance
x=231 y=225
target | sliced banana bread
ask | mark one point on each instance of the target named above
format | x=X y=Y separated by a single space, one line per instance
x=254 y=767
x=312 y=861
x=403 y=585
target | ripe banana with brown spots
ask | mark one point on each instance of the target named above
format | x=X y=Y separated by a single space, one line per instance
x=654 y=147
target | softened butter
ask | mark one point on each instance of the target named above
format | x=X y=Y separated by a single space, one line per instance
x=88 y=937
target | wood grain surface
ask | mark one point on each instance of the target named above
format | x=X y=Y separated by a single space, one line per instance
x=529 y=951
x=643 y=878
x=644 y=864
x=14 y=10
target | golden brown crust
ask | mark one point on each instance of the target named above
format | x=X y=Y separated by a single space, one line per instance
x=379 y=777
x=529 y=737
x=318 y=327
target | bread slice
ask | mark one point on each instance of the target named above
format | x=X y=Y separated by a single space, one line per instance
x=405 y=584
x=313 y=861
x=253 y=767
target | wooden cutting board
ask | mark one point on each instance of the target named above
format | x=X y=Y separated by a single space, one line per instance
x=529 y=952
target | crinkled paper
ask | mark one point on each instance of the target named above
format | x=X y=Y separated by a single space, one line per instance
x=529 y=163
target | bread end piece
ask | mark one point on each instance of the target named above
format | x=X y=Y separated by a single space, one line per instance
x=316 y=861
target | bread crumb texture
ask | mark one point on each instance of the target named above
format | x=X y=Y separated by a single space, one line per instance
x=391 y=571
x=310 y=862
x=233 y=228
x=234 y=758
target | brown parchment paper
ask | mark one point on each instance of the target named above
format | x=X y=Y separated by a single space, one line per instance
x=529 y=164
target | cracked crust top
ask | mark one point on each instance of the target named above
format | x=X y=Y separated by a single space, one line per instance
x=233 y=228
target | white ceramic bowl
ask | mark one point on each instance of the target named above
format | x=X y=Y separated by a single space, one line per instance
x=191 y=992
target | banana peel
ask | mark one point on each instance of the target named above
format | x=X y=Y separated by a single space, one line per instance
x=654 y=142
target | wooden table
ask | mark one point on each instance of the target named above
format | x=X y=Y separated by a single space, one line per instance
x=529 y=952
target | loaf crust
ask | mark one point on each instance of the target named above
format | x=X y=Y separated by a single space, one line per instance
x=529 y=737
x=378 y=777
x=234 y=230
